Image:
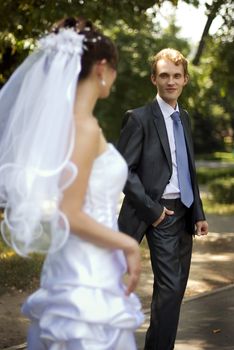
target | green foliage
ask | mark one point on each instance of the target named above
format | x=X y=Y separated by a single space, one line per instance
x=208 y=96
x=31 y=17
x=217 y=156
x=213 y=113
x=222 y=190
x=222 y=76
x=209 y=118
x=224 y=156
x=214 y=117
x=12 y=52
x=206 y=175
x=23 y=21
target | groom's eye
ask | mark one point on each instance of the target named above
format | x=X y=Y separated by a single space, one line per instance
x=163 y=75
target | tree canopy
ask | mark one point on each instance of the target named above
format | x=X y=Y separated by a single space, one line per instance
x=139 y=35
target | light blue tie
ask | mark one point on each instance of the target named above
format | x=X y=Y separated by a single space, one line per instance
x=186 y=192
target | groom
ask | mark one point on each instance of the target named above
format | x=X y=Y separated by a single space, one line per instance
x=161 y=195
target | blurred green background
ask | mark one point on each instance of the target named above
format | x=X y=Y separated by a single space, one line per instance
x=135 y=27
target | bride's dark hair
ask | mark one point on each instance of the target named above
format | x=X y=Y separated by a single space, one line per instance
x=97 y=46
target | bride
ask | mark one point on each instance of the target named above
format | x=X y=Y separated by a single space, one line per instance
x=60 y=182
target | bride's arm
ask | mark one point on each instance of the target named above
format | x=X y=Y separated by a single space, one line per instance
x=86 y=148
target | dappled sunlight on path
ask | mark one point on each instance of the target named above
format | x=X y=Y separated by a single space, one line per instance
x=211 y=269
x=212 y=266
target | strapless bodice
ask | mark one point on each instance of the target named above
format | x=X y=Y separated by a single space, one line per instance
x=107 y=178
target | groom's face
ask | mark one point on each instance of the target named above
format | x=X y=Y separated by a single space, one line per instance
x=169 y=79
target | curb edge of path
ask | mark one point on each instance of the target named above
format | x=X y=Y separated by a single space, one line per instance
x=195 y=297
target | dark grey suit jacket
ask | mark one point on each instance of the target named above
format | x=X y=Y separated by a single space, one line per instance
x=144 y=144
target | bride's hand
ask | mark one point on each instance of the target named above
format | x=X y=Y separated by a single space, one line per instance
x=132 y=254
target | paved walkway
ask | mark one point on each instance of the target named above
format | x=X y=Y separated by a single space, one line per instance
x=207 y=320
x=206 y=323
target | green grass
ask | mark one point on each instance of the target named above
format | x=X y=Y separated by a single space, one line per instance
x=205 y=175
x=218 y=156
x=224 y=156
x=17 y=272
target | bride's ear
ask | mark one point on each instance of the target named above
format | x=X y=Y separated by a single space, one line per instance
x=100 y=67
x=100 y=70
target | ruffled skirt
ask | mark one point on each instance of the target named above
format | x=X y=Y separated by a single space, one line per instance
x=81 y=304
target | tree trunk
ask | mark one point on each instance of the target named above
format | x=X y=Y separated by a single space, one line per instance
x=214 y=8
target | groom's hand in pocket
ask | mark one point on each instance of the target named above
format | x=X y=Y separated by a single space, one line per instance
x=162 y=216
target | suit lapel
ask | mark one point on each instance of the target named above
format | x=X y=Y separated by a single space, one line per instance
x=162 y=131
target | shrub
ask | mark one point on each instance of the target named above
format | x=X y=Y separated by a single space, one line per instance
x=222 y=190
x=205 y=174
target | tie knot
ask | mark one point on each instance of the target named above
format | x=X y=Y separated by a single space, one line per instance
x=175 y=116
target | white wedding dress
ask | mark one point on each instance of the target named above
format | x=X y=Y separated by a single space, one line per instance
x=81 y=303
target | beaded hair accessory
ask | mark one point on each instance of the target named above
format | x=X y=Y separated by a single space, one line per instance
x=67 y=41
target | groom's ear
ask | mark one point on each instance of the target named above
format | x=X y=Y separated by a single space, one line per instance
x=153 y=79
x=186 y=79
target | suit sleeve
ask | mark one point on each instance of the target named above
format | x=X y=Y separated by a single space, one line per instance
x=130 y=146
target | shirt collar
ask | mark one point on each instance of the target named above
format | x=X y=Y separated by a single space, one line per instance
x=166 y=109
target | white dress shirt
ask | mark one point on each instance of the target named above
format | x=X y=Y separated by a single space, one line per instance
x=172 y=189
